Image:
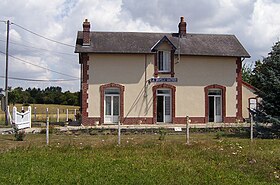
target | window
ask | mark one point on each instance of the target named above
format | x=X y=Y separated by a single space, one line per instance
x=164 y=61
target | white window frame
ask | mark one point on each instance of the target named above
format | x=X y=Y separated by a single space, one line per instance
x=166 y=61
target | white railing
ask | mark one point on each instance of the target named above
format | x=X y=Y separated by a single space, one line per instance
x=21 y=119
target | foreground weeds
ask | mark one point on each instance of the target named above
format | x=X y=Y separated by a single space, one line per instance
x=140 y=159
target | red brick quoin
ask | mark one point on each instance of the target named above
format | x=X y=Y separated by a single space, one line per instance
x=85 y=67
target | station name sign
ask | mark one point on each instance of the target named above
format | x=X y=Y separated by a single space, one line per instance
x=153 y=80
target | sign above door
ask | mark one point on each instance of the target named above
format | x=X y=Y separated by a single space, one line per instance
x=153 y=80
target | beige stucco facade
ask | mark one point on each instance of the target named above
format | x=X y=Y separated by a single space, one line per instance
x=133 y=71
x=247 y=93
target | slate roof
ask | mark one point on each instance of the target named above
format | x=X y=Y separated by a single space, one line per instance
x=141 y=42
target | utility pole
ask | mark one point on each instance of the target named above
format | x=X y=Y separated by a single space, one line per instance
x=6 y=79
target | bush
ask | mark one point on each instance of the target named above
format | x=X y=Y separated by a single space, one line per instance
x=162 y=132
x=19 y=135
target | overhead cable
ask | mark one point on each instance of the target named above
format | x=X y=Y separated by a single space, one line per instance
x=24 y=61
x=42 y=36
x=40 y=80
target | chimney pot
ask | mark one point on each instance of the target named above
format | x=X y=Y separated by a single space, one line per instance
x=182 y=27
x=86 y=33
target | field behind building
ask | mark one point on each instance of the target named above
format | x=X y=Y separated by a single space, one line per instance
x=81 y=158
x=41 y=110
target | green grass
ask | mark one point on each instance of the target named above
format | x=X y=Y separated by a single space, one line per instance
x=141 y=159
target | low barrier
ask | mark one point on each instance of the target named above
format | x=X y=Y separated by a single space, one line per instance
x=21 y=120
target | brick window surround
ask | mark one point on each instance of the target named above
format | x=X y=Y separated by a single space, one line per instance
x=102 y=93
x=163 y=86
x=223 y=89
x=156 y=72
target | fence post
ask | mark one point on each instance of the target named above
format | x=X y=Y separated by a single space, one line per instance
x=47 y=113
x=187 y=130
x=57 y=115
x=47 y=129
x=75 y=113
x=35 y=116
x=251 y=127
x=66 y=114
x=119 y=132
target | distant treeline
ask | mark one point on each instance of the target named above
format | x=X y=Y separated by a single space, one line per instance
x=49 y=95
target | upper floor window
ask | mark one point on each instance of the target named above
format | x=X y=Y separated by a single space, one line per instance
x=164 y=61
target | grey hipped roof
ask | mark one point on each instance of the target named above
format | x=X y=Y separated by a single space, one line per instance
x=141 y=42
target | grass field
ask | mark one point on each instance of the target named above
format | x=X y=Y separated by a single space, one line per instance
x=41 y=112
x=141 y=159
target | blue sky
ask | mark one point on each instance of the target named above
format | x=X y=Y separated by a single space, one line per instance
x=255 y=23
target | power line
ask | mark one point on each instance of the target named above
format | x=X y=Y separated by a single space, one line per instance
x=40 y=80
x=38 y=48
x=42 y=36
x=24 y=61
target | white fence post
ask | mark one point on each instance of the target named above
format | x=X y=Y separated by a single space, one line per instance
x=66 y=114
x=251 y=127
x=47 y=113
x=57 y=115
x=75 y=113
x=119 y=132
x=47 y=131
x=35 y=116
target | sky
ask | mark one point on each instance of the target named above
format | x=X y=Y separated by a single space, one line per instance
x=255 y=23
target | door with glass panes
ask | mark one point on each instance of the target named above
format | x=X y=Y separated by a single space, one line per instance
x=111 y=105
x=164 y=105
x=215 y=105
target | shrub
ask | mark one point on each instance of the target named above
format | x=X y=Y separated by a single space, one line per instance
x=162 y=133
x=19 y=135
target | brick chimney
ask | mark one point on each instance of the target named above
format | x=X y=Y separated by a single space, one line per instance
x=86 y=33
x=182 y=27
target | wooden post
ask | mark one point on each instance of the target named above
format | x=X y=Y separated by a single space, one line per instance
x=66 y=114
x=119 y=132
x=47 y=113
x=35 y=116
x=47 y=128
x=75 y=113
x=251 y=127
x=187 y=130
x=57 y=115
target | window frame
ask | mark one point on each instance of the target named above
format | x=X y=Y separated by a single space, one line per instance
x=164 y=61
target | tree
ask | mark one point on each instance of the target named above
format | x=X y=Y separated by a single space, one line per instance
x=247 y=73
x=266 y=78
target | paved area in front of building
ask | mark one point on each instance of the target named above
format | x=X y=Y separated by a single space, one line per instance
x=142 y=126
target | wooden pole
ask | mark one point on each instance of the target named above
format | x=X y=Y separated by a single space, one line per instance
x=6 y=76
